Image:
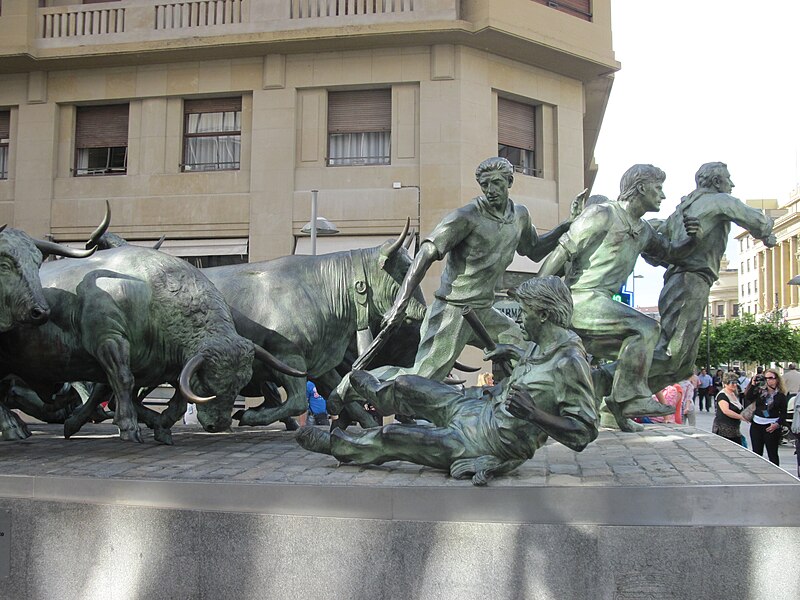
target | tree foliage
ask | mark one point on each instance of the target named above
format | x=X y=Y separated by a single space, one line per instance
x=767 y=340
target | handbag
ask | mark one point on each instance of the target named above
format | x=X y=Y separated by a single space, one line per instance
x=748 y=412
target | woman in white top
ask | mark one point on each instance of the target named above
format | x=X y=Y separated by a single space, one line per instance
x=769 y=395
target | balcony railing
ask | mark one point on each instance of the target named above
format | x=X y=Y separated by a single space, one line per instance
x=81 y=21
x=202 y=13
x=304 y=9
x=148 y=20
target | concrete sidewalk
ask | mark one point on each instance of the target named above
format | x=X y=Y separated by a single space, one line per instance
x=788 y=460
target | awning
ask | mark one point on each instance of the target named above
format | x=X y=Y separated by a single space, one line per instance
x=337 y=243
x=185 y=248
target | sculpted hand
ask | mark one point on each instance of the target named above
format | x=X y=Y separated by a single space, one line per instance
x=503 y=352
x=520 y=404
x=691 y=225
x=770 y=241
x=576 y=208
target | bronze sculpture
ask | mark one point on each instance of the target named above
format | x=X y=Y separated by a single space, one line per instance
x=309 y=310
x=133 y=317
x=687 y=283
x=478 y=242
x=602 y=246
x=483 y=432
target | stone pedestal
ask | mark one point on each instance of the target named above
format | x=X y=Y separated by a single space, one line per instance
x=251 y=515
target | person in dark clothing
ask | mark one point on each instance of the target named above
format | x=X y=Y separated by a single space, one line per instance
x=704 y=391
x=727 y=419
x=769 y=394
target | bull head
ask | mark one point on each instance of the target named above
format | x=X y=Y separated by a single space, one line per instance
x=395 y=261
x=21 y=299
x=194 y=364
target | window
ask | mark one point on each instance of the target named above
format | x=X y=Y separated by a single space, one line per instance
x=5 y=134
x=576 y=8
x=359 y=127
x=720 y=310
x=101 y=140
x=748 y=265
x=741 y=267
x=515 y=135
x=742 y=289
x=212 y=134
x=748 y=288
x=735 y=310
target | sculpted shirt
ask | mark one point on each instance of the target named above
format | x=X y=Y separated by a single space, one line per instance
x=559 y=382
x=603 y=244
x=479 y=246
x=715 y=211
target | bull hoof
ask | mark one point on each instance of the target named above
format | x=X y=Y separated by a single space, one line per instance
x=291 y=424
x=163 y=436
x=213 y=429
x=249 y=418
x=100 y=415
x=237 y=416
x=12 y=428
x=71 y=427
x=131 y=435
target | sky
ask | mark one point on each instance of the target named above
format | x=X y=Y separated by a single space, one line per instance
x=703 y=81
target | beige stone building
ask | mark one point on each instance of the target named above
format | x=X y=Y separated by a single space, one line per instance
x=723 y=297
x=764 y=273
x=211 y=121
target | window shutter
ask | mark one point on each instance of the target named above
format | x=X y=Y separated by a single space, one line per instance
x=361 y=111
x=515 y=124
x=578 y=8
x=5 y=124
x=101 y=126
x=212 y=105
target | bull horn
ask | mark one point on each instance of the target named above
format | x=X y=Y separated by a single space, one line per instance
x=465 y=368
x=409 y=240
x=453 y=381
x=46 y=247
x=160 y=241
x=269 y=360
x=399 y=241
x=189 y=369
x=3 y=227
x=101 y=229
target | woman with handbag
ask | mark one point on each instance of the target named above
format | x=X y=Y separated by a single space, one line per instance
x=769 y=416
x=796 y=434
x=727 y=418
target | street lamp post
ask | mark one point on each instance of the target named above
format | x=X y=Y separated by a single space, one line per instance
x=314 y=194
x=317 y=225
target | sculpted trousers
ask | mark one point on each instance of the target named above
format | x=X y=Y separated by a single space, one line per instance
x=682 y=306
x=444 y=334
x=613 y=330
x=437 y=445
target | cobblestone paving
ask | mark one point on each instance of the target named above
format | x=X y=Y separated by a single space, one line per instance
x=661 y=456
